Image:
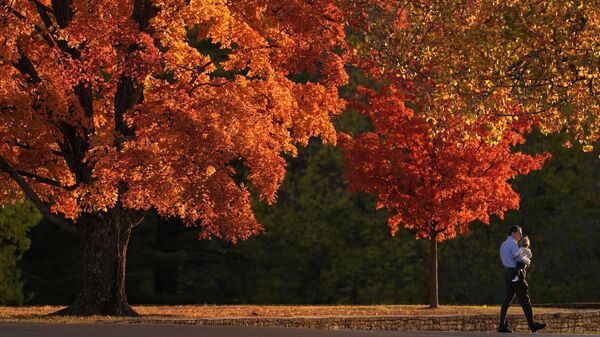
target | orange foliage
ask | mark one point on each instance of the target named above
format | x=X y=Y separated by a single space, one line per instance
x=110 y=104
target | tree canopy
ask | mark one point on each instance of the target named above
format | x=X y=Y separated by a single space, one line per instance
x=473 y=58
x=109 y=109
x=435 y=181
x=143 y=104
x=434 y=184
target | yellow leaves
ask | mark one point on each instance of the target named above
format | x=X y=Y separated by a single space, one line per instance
x=289 y=148
x=502 y=64
x=588 y=148
x=471 y=19
x=210 y=170
x=431 y=120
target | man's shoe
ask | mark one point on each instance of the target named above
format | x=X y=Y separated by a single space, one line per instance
x=504 y=329
x=537 y=326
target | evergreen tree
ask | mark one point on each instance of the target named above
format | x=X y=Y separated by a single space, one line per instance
x=15 y=222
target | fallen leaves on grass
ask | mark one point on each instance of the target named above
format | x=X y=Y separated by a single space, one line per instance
x=39 y=314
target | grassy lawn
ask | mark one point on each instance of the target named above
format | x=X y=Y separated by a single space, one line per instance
x=39 y=313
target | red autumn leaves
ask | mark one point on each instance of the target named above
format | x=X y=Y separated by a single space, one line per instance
x=434 y=181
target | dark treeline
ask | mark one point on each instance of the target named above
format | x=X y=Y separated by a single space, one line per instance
x=324 y=245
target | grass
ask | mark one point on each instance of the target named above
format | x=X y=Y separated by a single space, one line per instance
x=39 y=314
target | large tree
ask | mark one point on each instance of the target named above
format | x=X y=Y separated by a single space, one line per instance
x=110 y=108
x=474 y=58
x=434 y=181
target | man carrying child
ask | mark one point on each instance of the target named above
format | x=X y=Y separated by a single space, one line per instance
x=515 y=278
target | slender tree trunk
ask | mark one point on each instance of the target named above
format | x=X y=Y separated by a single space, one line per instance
x=104 y=239
x=433 y=274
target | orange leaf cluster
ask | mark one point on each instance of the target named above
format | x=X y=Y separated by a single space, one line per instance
x=149 y=104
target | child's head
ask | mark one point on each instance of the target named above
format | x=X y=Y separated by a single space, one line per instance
x=524 y=242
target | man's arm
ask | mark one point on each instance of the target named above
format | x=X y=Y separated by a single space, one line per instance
x=525 y=260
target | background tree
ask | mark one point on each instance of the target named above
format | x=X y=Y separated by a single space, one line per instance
x=167 y=264
x=556 y=212
x=492 y=58
x=433 y=182
x=334 y=245
x=15 y=222
x=109 y=109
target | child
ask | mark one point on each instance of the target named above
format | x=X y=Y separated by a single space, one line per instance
x=523 y=257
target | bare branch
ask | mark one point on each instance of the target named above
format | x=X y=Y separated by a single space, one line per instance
x=136 y=217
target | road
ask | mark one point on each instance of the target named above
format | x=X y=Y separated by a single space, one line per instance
x=123 y=330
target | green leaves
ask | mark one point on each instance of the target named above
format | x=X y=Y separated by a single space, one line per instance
x=15 y=222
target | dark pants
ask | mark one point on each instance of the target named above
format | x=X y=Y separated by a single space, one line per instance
x=521 y=289
x=521 y=267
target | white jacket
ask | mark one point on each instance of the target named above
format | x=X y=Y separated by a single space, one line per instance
x=524 y=255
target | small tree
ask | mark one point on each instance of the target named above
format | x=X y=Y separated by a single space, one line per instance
x=15 y=222
x=110 y=108
x=432 y=181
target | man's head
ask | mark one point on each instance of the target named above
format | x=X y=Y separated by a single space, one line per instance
x=516 y=232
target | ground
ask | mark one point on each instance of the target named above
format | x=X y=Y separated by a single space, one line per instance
x=127 y=330
x=39 y=314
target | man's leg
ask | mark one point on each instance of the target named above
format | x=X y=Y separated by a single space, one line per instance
x=508 y=297
x=522 y=290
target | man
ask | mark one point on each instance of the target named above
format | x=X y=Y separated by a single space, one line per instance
x=508 y=252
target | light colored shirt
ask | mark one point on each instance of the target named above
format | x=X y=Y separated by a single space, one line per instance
x=508 y=251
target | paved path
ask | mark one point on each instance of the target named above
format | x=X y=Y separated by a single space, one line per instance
x=123 y=330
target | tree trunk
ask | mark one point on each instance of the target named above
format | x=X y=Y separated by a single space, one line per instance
x=433 y=274
x=104 y=238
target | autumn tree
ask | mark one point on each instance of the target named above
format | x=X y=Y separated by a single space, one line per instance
x=473 y=58
x=434 y=181
x=110 y=108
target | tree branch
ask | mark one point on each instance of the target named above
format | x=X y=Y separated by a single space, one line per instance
x=26 y=68
x=74 y=149
x=27 y=147
x=129 y=93
x=62 y=12
x=44 y=180
x=135 y=217
x=143 y=12
x=7 y=108
x=31 y=195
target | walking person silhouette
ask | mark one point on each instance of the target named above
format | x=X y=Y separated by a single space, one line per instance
x=508 y=253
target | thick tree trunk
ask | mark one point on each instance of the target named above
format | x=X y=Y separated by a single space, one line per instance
x=433 y=275
x=104 y=239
